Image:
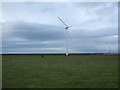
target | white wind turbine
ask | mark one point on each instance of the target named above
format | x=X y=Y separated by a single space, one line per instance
x=66 y=28
x=109 y=50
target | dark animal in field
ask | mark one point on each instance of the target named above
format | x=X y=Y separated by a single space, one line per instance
x=42 y=56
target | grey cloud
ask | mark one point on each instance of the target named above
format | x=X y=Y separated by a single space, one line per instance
x=92 y=5
x=96 y=24
x=30 y=44
x=41 y=6
x=34 y=31
x=35 y=36
x=100 y=33
x=48 y=9
x=93 y=41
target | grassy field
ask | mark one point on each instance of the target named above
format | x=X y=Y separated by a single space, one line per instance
x=75 y=71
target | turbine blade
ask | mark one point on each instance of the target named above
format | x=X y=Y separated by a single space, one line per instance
x=62 y=22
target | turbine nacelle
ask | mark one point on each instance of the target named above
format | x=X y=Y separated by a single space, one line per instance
x=67 y=27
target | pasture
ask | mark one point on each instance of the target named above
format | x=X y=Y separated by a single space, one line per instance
x=59 y=71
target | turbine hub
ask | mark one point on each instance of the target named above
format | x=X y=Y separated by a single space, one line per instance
x=66 y=27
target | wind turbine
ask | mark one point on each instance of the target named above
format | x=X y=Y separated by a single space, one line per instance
x=109 y=50
x=66 y=28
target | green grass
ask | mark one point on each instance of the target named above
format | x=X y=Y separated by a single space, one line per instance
x=80 y=71
x=0 y=71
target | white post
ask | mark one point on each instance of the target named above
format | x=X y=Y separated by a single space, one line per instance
x=109 y=50
x=66 y=42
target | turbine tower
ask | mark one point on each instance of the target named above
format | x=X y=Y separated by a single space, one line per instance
x=109 y=50
x=66 y=28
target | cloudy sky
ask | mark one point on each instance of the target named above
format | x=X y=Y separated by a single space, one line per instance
x=33 y=27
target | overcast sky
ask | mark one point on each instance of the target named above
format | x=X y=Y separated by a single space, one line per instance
x=33 y=27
